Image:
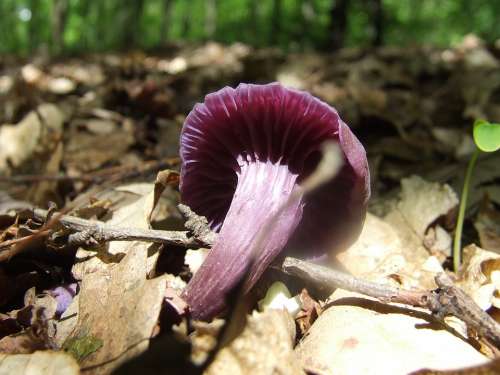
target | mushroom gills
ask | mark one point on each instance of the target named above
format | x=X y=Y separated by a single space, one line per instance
x=265 y=210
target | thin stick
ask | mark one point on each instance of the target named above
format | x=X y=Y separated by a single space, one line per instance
x=444 y=301
x=94 y=232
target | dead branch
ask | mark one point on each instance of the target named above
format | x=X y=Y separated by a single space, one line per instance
x=447 y=300
x=93 y=232
x=197 y=225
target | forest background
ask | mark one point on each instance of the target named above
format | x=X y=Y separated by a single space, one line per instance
x=76 y=26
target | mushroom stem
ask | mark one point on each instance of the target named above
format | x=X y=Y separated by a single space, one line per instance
x=265 y=207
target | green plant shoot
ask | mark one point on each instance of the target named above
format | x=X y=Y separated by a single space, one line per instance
x=487 y=139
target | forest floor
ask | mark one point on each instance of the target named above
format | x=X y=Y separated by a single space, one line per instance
x=96 y=137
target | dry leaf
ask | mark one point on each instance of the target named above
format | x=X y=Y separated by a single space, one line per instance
x=378 y=244
x=88 y=151
x=264 y=347
x=38 y=363
x=164 y=179
x=203 y=339
x=480 y=276
x=487 y=225
x=118 y=306
x=357 y=335
x=21 y=144
x=424 y=202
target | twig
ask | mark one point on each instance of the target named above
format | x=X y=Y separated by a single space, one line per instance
x=444 y=301
x=93 y=232
x=197 y=225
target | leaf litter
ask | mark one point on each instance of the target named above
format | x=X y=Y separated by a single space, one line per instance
x=92 y=139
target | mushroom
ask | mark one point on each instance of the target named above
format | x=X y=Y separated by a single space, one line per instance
x=244 y=154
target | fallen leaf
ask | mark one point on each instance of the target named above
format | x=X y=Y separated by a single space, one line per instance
x=479 y=276
x=487 y=225
x=86 y=151
x=164 y=179
x=203 y=339
x=23 y=143
x=60 y=85
x=356 y=335
x=377 y=244
x=264 y=347
x=38 y=363
x=118 y=306
x=422 y=202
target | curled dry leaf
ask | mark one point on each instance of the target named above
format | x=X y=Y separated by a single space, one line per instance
x=310 y=310
x=480 y=276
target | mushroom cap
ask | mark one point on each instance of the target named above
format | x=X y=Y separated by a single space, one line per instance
x=285 y=126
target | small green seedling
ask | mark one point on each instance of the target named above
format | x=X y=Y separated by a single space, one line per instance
x=487 y=139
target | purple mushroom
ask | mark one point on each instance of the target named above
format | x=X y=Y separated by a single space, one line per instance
x=244 y=154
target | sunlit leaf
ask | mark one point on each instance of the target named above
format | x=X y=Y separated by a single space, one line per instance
x=487 y=135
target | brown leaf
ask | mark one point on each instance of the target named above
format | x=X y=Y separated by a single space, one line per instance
x=357 y=335
x=164 y=179
x=39 y=363
x=487 y=225
x=119 y=307
x=309 y=312
x=28 y=144
x=264 y=347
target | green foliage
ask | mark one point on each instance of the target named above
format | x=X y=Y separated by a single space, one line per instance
x=97 y=25
x=487 y=136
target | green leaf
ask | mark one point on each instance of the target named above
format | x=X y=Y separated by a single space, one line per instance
x=487 y=135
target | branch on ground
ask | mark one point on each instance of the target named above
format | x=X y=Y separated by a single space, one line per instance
x=444 y=301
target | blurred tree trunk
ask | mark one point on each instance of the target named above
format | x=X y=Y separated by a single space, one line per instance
x=166 y=21
x=8 y=14
x=308 y=14
x=338 y=23
x=84 y=11
x=58 y=22
x=131 y=22
x=99 y=39
x=377 y=15
x=210 y=18
x=253 y=14
x=186 y=23
x=34 y=26
x=276 y=22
